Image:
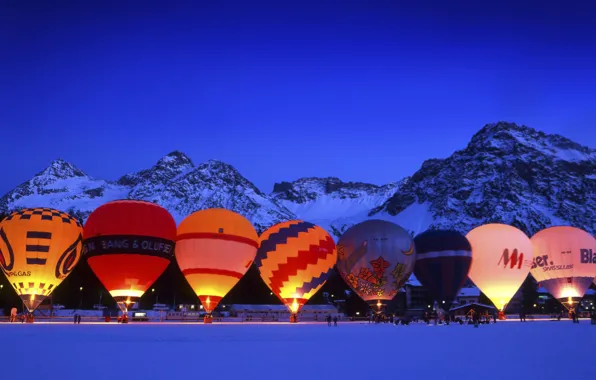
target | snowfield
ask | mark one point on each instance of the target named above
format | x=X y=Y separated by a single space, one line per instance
x=507 y=350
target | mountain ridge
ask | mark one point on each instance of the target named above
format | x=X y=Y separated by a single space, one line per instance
x=507 y=173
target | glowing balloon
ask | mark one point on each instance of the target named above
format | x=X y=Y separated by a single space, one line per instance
x=128 y=245
x=376 y=258
x=295 y=260
x=39 y=247
x=564 y=262
x=443 y=260
x=214 y=249
x=502 y=256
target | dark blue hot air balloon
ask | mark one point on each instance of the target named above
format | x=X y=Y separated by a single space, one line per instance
x=443 y=262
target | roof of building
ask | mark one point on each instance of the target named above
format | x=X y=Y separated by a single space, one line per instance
x=471 y=305
x=469 y=292
x=542 y=290
x=413 y=281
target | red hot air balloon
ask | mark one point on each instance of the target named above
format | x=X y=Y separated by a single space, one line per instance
x=128 y=245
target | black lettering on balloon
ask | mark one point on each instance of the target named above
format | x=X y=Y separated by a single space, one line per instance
x=68 y=259
x=128 y=244
x=19 y=274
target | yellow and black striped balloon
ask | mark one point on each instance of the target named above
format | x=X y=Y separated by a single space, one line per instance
x=39 y=247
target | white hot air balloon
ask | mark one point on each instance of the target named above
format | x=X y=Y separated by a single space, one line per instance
x=564 y=262
x=501 y=260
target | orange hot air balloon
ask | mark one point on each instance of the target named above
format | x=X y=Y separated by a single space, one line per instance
x=214 y=249
x=295 y=260
x=501 y=261
x=39 y=248
x=128 y=245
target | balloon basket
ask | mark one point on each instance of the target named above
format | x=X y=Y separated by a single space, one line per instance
x=293 y=318
x=108 y=319
x=208 y=319
x=30 y=318
x=502 y=316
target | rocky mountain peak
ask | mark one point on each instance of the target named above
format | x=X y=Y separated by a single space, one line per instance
x=60 y=169
x=175 y=159
x=215 y=171
x=510 y=138
x=311 y=188
x=165 y=170
x=216 y=166
x=59 y=180
x=508 y=173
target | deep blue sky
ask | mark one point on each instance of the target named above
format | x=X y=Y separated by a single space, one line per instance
x=360 y=90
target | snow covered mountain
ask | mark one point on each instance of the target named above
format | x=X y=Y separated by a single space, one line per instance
x=507 y=173
x=325 y=200
x=173 y=182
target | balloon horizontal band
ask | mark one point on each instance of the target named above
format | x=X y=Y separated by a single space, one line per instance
x=217 y=236
x=126 y=293
x=438 y=254
x=128 y=244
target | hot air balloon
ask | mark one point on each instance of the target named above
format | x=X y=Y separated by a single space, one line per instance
x=564 y=262
x=502 y=260
x=295 y=260
x=443 y=259
x=376 y=258
x=214 y=249
x=39 y=247
x=128 y=245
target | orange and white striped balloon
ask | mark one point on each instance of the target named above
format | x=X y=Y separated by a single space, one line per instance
x=214 y=249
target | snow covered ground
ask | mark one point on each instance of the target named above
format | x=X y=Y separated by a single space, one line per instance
x=512 y=350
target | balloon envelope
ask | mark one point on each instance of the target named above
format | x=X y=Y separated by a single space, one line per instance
x=376 y=258
x=564 y=262
x=295 y=260
x=128 y=245
x=39 y=247
x=502 y=256
x=214 y=249
x=443 y=260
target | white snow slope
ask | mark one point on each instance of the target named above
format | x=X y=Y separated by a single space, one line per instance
x=506 y=350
